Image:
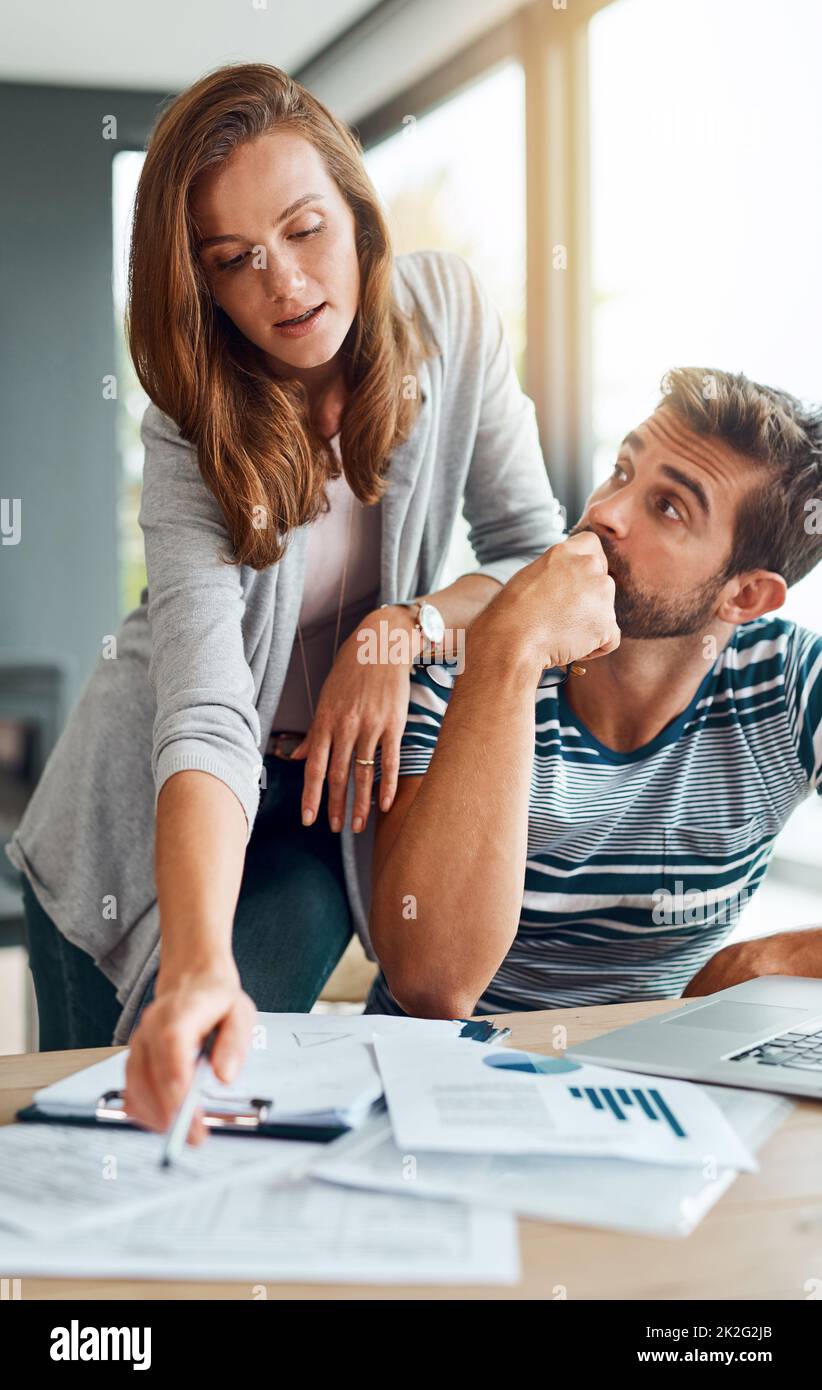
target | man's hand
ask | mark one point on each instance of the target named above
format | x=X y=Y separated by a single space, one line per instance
x=556 y=610
x=796 y=952
x=742 y=961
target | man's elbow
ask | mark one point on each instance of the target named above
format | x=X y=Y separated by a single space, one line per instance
x=420 y=999
x=420 y=993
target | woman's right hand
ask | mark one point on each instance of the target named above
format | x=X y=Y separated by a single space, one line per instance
x=167 y=1040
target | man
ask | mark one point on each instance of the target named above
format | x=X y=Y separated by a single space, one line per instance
x=594 y=841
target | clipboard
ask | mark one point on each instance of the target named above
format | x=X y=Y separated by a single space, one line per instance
x=252 y=1116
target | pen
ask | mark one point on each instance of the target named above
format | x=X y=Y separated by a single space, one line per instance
x=182 y=1121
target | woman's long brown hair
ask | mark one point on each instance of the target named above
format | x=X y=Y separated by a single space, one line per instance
x=256 y=448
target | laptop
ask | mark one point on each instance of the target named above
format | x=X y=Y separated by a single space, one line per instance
x=763 y=1035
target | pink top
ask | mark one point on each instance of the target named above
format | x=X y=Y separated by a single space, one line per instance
x=350 y=526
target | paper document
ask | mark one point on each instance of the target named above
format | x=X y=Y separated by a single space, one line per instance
x=611 y=1193
x=56 y=1178
x=302 y=1230
x=461 y=1097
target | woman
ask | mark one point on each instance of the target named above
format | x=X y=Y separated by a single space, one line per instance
x=291 y=365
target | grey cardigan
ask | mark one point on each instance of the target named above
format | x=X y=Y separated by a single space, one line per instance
x=200 y=664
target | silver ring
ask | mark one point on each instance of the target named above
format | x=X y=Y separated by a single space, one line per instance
x=365 y=762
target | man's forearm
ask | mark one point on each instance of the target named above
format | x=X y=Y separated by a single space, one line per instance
x=459 y=857
x=792 y=952
x=783 y=953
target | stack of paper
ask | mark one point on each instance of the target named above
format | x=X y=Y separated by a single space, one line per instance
x=610 y=1193
x=233 y=1208
x=427 y=1192
x=553 y=1139
x=81 y=1202
x=457 y=1097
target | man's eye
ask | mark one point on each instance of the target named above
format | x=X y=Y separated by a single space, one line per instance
x=668 y=509
x=619 y=470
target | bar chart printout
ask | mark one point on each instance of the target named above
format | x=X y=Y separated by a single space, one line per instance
x=650 y=1103
x=624 y=1103
x=439 y=1101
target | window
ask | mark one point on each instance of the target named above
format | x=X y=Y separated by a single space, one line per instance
x=706 y=200
x=454 y=180
x=131 y=398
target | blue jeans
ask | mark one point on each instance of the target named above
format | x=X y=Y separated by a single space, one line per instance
x=291 y=925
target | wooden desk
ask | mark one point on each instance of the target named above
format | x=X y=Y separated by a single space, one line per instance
x=763 y=1239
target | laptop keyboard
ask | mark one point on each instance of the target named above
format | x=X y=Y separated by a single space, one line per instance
x=800 y=1049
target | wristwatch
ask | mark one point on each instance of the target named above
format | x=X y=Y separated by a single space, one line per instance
x=428 y=617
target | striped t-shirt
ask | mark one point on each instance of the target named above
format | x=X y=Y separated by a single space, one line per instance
x=639 y=863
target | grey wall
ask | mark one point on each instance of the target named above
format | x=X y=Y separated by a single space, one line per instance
x=59 y=588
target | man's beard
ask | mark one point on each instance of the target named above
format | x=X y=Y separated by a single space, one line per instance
x=642 y=614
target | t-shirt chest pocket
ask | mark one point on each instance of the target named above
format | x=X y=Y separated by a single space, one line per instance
x=699 y=858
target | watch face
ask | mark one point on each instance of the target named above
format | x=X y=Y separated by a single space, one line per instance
x=432 y=622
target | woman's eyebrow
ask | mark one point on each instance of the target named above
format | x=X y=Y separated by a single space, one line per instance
x=283 y=217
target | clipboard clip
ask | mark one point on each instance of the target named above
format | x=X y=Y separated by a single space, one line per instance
x=234 y=1114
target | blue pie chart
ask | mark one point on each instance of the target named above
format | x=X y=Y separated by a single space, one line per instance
x=534 y=1062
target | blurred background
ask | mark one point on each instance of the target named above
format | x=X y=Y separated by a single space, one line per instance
x=637 y=182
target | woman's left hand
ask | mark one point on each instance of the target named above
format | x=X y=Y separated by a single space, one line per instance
x=362 y=704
